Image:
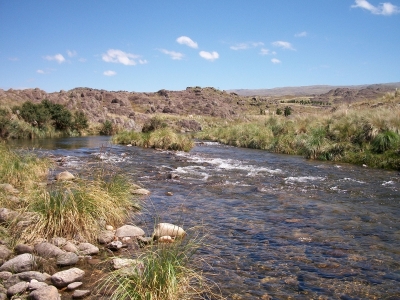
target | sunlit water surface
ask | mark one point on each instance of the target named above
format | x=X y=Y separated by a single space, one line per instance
x=276 y=225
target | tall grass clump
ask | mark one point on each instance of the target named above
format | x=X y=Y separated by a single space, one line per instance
x=162 y=272
x=79 y=209
x=22 y=169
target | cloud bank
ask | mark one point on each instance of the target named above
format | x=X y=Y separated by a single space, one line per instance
x=211 y=56
x=121 y=57
x=184 y=40
x=385 y=9
x=58 y=58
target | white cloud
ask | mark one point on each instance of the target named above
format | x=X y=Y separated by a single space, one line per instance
x=301 y=34
x=211 y=56
x=275 y=61
x=109 y=73
x=244 y=46
x=40 y=72
x=174 y=55
x=13 y=58
x=283 y=45
x=143 y=61
x=184 y=40
x=71 y=53
x=265 y=51
x=120 y=57
x=58 y=57
x=385 y=9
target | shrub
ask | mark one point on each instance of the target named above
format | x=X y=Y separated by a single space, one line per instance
x=107 y=128
x=384 y=141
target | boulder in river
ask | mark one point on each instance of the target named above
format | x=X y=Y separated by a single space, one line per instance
x=167 y=229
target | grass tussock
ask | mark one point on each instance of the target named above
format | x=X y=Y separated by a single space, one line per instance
x=359 y=134
x=22 y=169
x=162 y=272
x=79 y=209
x=162 y=138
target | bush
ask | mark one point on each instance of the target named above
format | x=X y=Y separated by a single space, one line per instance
x=384 y=141
x=107 y=128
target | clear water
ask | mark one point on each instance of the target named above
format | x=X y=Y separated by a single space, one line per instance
x=276 y=225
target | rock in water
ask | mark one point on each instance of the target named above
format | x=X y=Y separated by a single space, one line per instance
x=167 y=229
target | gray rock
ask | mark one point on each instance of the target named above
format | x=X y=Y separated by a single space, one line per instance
x=63 y=278
x=67 y=259
x=87 y=249
x=70 y=247
x=7 y=215
x=13 y=280
x=5 y=275
x=35 y=285
x=80 y=294
x=47 y=250
x=119 y=263
x=20 y=263
x=129 y=230
x=59 y=241
x=45 y=293
x=74 y=285
x=33 y=275
x=23 y=248
x=4 y=252
x=18 y=288
x=105 y=237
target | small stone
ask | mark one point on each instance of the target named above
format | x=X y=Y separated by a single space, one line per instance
x=129 y=230
x=20 y=263
x=63 y=278
x=35 y=285
x=67 y=259
x=165 y=229
x=45 y=293
x=65 y=176
x=18 y=288
x=8 y=188
x=4 y=252
x=115 y=245
x=59 y=241
x=79 y=294
x=119 y=263
x=169 y=194
x=105 y=237
x=87 y=249
x=46 y=250
x=74 y=285
x=141 y=192
x=70 y=247
x=23 y=248
x=109 y=227
x=165 y=239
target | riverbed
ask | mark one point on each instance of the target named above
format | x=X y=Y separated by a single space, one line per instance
x=275 y=225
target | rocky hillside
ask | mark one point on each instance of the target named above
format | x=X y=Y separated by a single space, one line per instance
x=130 y=109
x=126 y=108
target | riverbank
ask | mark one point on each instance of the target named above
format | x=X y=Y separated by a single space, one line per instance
x=364 y=133
x=52 y=223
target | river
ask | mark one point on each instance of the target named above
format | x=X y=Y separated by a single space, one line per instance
x=277 y=225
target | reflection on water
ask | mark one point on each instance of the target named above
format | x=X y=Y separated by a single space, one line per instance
x=278 y=225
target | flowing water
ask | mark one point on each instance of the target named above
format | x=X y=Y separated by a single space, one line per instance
x=279 y=226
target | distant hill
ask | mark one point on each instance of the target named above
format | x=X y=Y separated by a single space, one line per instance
x=307 y=90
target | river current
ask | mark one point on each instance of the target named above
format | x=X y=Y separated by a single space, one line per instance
x=276 y=226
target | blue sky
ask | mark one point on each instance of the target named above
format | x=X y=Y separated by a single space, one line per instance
x=145 y=46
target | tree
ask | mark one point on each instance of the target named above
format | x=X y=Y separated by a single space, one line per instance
x=80 y=121
x=62 y=118
x=278 y=111
x=287 y=111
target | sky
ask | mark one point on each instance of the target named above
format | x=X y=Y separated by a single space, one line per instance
x=148 y=45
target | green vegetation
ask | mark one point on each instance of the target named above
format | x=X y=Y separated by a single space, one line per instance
x=45 y=119
x=358 y=134
x=163 y=272
x=155 y=134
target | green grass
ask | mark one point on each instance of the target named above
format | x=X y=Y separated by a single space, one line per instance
x=163 y=138
x=162 y=272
